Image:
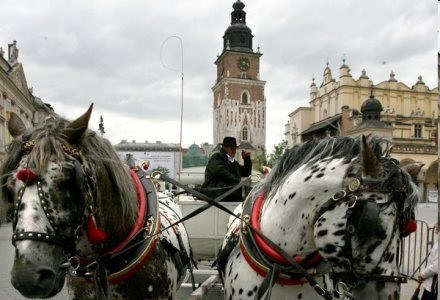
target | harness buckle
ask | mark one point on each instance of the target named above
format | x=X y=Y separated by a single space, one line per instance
x=319 y=289
x=354 y=184
x=148 y=226
x=352 y=204
x=245 y=223
x=339 y=195
x=90 y=268
x=343 y=290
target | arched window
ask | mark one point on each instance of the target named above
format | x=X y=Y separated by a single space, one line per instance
x=244 y=134
x=244 y=98
x=324 y=114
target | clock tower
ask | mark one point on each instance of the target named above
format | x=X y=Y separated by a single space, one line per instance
x=239 y=103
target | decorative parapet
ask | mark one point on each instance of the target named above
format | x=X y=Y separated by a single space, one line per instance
x=419 y=149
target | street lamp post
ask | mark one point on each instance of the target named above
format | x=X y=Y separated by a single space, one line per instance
x=181 y=93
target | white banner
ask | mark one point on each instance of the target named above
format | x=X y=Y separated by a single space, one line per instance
x=167 y=160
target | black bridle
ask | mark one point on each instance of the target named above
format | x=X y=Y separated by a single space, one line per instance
x=57 y=237
x=351 y=195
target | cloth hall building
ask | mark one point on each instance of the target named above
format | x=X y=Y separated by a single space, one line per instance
x=346 y=106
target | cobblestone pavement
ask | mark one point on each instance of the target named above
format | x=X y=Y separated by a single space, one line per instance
x=426 y=212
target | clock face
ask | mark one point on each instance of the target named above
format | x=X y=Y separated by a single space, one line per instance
x=243 y=63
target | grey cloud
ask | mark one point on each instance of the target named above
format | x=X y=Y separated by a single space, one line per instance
x=108 y=52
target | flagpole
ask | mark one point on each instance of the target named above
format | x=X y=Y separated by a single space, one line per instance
x=181 y=94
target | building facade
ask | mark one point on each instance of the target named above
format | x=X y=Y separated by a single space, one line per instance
x=239 y=106
x=409 y=113
x=194 y=156
x=16 y=97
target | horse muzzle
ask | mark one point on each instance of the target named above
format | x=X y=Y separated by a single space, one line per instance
x=37 y=281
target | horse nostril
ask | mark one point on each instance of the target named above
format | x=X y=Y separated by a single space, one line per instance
x=45 y=277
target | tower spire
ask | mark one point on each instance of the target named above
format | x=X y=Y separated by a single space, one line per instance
x=238 y=33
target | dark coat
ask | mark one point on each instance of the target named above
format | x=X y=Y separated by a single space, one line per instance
x=220 y=173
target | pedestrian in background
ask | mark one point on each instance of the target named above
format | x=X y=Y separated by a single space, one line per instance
x=429 y=275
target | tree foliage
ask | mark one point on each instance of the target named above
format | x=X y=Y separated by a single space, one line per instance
x=277 y=153
x=260 y=161
x=161 y=169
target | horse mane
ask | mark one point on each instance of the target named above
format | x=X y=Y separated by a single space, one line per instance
x=113 y=182
x=346 y=148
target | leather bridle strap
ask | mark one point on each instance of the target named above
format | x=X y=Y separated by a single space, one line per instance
x=56 y=238
x=347 y=195
x=202 y=197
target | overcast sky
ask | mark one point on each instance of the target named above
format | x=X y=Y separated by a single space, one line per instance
x=108 y=52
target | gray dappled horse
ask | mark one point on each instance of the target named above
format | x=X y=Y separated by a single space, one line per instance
x=79 y=211
x=342 y=201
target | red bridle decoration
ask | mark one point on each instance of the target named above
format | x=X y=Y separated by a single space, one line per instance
x=26 y=175
x=409 y=226
x=95 y=235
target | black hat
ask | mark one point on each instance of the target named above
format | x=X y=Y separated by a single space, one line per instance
x=229 y=141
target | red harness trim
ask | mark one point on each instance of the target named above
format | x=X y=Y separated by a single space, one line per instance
x=142 y=208
x=269 y=251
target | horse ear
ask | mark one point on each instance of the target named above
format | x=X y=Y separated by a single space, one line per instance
x=369 y=162
x=16 y=126
x=413 y=169
x=75 y=130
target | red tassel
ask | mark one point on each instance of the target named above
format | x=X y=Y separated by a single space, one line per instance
x=409 y=226
x=26 y=175
x=95 y=235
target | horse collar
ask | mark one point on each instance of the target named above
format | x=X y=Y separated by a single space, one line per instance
x=261 y=257
x=133 y=252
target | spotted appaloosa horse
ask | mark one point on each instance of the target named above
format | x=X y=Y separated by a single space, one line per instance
x=79 y=211
x=339 y=200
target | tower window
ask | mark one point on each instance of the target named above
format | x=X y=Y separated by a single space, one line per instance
x=418 y=130
x=244 y=134
x=243 y=75
x=244 y=98
x=242 y=39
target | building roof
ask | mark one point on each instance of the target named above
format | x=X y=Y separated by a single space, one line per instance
x=158 y=146
x=372 y=124
x=238 y=36
x=371 y=105
x=329 y=122
x=245 y=145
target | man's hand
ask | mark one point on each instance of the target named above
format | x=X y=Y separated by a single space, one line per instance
x=419 y=278
x=245 y=154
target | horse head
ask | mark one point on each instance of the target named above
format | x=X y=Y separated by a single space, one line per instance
x=341 y=201
x=365 y=223
x=56 y=190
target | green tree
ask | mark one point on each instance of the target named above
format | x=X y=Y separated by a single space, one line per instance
x=161 y=169
x=277 y=153
x=260 y=161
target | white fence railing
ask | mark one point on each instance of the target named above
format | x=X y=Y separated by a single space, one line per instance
x=415 y=248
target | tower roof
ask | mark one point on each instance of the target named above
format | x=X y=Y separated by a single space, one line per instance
x=238 y=36
x=371 y=105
